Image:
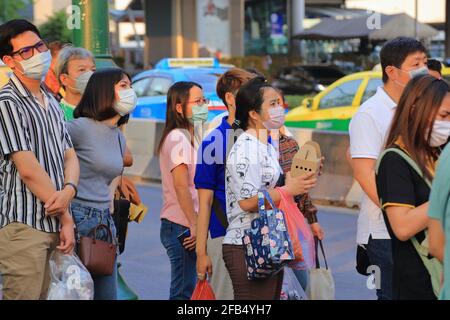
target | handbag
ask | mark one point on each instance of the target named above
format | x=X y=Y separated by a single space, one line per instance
x=362 y=260
x=98 y=256
x=121 y=215
x=321 y=283
x=121 y=218
x=267 y=244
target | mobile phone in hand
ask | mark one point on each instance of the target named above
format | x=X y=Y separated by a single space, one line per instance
x=185 y=234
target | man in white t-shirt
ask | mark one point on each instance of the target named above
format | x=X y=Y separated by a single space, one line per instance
x=401 y=60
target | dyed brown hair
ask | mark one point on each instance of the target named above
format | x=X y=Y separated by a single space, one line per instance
x=414 y=119
x=231 y=81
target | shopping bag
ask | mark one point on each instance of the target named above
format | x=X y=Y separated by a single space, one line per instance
x=203 y=291
x=291 y=290
x=299 y=233
x=70 y=280
x=321 y=282
x=267 y=245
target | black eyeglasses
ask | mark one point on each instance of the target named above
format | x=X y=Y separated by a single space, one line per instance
x=27 y=52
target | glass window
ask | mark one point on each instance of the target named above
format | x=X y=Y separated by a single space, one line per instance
x=159 y=86
x=340 y=96
x=208 y=81
x=371 y=89
x=266 y=27
x=141 y=86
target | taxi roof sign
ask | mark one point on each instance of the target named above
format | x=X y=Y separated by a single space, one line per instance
x=170 y=63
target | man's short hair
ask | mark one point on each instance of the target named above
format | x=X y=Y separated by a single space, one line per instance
x=434 y=65
x=395 y=52
x=11 y=29
x=231 y=81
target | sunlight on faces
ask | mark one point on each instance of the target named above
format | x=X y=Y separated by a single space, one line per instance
x=271 y=99
x=26 y=39
x=195 y=98
x=76 y=67
x=412 y=62
x=444 y=110
x=123 y=84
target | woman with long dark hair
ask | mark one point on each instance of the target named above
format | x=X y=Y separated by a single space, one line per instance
x=100 y=146
x=419 y=128
x=253 y=165
x=186 y=108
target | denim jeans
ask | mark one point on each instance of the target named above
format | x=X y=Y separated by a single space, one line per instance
x=183 y=274
x=87 y=218
x=379 y=252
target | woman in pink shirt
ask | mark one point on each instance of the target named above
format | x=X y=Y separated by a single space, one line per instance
x=186 y=108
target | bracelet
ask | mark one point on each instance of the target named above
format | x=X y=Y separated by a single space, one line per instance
x=73 y=186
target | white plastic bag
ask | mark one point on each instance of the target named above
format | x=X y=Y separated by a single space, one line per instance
x=291 y=290
x=70 y=278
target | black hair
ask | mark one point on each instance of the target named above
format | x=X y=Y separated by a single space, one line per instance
x=11 y=29
x=99 y=97
x=250 y=97
x=395 y=52
x=434 y=65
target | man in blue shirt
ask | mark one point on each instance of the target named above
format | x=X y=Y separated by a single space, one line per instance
x=210 y=183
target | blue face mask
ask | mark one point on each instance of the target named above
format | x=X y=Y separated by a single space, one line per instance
x=422 y=71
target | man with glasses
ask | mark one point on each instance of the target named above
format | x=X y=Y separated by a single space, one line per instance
x=38 y=167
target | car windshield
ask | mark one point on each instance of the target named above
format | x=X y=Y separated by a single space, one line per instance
x=207 y=80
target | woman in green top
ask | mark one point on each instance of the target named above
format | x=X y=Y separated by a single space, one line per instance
x=439 y=213
x=73 y=70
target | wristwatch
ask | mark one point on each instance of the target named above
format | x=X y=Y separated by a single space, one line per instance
x=73 y=186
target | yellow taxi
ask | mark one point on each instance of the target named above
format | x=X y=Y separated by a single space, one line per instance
x=4 y=74
x=333 y=108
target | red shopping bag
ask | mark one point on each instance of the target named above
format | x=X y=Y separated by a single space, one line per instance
x=301 y=236
x=203 y=291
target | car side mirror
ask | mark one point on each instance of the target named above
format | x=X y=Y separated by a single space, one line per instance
x=307 y=103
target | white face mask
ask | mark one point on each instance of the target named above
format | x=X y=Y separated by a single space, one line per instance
x=37 y=66
x=440 y=133
x=126 y=103
x=82 y=81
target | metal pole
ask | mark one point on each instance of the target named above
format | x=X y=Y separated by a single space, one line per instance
x=416 y=18
x=94 y=31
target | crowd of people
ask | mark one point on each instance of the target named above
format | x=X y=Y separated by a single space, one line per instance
x=60 y=159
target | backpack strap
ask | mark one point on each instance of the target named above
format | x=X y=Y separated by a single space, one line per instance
x=433 y=266
x=405 y=157
x=232 y=136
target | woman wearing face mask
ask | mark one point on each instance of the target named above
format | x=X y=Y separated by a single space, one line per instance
x=100 y=145
x=74 y=67
x=253 y=165
x=420 y=126
x=186 y=108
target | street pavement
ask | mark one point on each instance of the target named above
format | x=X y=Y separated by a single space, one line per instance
x=146 y=267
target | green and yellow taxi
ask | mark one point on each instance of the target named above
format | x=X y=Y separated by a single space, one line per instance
x=333 y=108
x=5 y=72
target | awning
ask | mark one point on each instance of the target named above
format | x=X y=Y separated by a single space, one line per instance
x=389 y=27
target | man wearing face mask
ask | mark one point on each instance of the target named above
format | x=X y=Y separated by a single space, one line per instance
x=39 y=167
x=74 y=68
x=401 y=59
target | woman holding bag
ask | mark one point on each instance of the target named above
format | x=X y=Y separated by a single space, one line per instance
x=253 y=165
x=100 y=146
x=405 y=171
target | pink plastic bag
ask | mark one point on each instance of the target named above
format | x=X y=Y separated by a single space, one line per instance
x=298 y=231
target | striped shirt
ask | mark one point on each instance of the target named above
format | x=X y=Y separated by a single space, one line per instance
x=25 y=125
